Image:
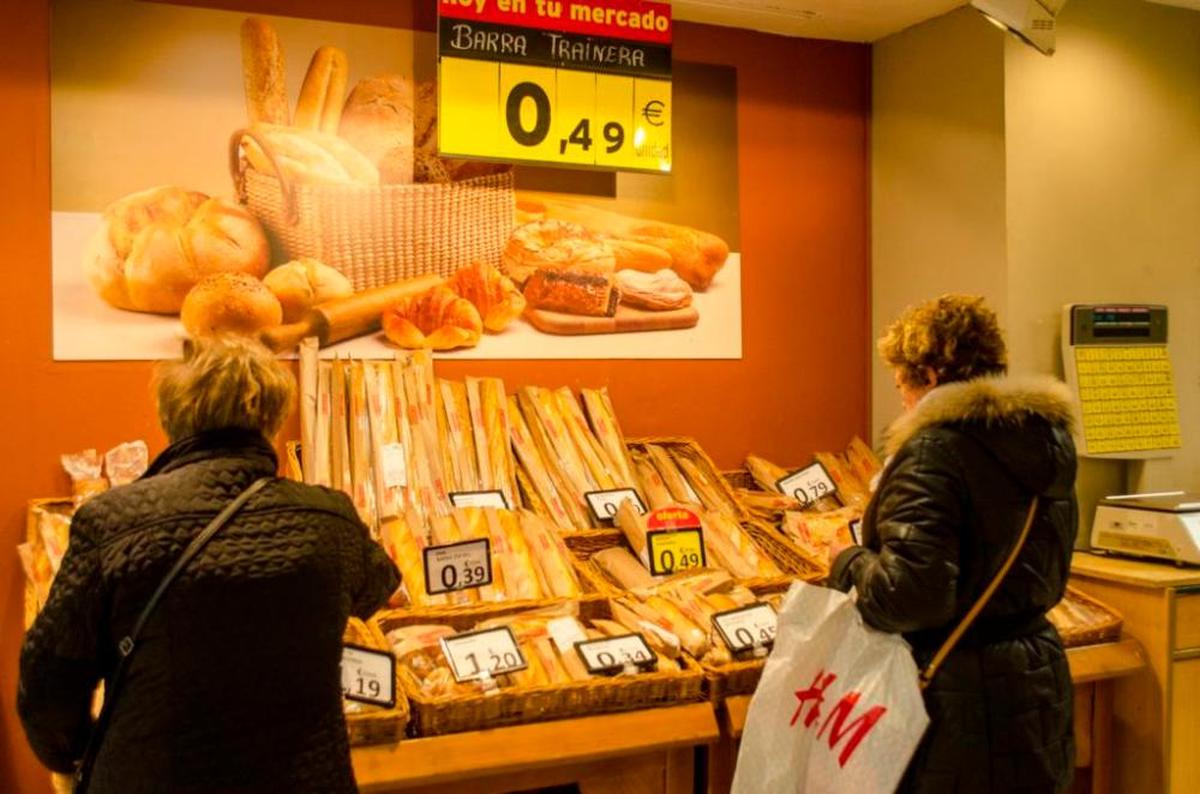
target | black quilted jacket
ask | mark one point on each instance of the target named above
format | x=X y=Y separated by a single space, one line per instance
x=234 y=686
x=953 y=498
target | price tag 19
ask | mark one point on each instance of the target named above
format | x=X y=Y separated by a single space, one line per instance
x=614 y=654
x=495 y=499
x=604 y=504
x=673 y=550
x=808 y=484
x=458 y=566
x=747 y=628
x=368 y=676
x=483 y=654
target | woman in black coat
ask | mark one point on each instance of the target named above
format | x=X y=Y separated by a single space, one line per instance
x=235 y=684
x=967 y=458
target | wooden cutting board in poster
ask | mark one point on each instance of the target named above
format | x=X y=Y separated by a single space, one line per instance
x=579 y=83
x=626 y=319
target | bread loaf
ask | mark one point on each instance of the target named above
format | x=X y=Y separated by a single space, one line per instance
x=303 y=283
x=320 y=105
x=378 y=120
x=310 y=156
x=264 y=73
x=230 y=303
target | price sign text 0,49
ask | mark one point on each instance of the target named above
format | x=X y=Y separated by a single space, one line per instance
x=673 y=550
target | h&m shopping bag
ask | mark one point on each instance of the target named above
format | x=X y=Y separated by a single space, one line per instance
x=838 y=708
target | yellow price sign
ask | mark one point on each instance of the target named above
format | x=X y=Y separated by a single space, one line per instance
x=673 y=550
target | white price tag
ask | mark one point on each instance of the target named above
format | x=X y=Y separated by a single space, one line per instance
x=614 y=654
x=808 y=484
x=855 y=530
x=565 y=632
x=395 y=466
x=458 y=566
x=483 y=654
x=368 y=676
x=747 y=628
x=480 y=499
x=604 y=504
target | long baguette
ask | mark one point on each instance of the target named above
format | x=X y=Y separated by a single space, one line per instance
x=323 y=92
x=264 y=73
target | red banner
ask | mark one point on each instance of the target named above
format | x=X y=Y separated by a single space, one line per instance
x=633 y=20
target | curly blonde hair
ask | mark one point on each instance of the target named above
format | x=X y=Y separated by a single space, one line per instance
x=223 y=382
x=956 y=336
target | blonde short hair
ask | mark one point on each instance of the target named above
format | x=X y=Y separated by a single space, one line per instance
x=223 y=382
x=957 y=336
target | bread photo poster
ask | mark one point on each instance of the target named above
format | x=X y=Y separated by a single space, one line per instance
x=216 y=171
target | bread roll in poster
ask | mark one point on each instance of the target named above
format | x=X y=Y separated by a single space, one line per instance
x=303 y=283
x=378 y=120
x=232 y=303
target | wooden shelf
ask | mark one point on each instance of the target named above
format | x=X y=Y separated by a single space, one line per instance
x=1135 y=572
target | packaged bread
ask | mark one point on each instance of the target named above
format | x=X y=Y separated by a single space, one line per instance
x=264 y=73
x=681 y=491
x=765 y=473
x=651 y=482
x=551 y=555
x=126 y=462
x=623 y=568
x=850 y=491
x=863 y=461
x=230 y=303
x=303 y=283
x=320 y=105
x=437 y=319
x=85 y=470
x=603 y=420
x=378 y=120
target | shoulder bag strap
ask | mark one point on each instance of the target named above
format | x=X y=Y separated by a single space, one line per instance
x=128 y=643
x=938 y=658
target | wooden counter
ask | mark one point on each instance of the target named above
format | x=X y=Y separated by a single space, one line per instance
x=1135 y=572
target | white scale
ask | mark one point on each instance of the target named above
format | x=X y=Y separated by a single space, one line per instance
x=1159 y=525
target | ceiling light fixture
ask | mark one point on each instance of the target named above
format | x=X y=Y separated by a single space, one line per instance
x=1031 y=21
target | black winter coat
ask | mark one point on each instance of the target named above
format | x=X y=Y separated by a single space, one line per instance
x=965 y=464
x=235 y=685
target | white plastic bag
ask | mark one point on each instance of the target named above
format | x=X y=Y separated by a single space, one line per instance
x=838 y=708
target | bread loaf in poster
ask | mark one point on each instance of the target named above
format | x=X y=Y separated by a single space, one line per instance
x=309 y=156
x=572 y=292
x=232 y=303
x=303 y=283
x=153 y=246
x=320 y=104
x=378 y=120
x=264 y=73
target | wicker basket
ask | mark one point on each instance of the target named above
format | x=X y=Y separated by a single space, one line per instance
x=693 y=450
x=375 y=724
x=381 y=234
x=1108 y=629
x=438 y=715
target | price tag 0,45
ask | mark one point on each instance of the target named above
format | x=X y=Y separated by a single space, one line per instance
x=474 y=655
x=613 y=655
x=480 y=499
x=808 y=484
x=368 y=676
x=673 y=550
x=458 y=566
x=604 y=504
x=748 y=628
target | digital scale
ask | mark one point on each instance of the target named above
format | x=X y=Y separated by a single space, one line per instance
x=1160 y=525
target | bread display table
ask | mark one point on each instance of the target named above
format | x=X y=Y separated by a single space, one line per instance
x=640 y=752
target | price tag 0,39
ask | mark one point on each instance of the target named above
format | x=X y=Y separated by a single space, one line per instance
x=480 y=499
x=613 y=655
x=808 y=484
x=474 y=655
x=368 y=676
x=747 y=628
x=604 y=504
x=458 y=566
x=673 y=550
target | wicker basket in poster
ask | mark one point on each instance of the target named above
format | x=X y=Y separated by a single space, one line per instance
x=365 y=723
x=432 y=716
x=379 y=234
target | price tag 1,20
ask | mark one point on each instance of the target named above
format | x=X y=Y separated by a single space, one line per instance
x=474 y=655
x=604 y=504
x=368 y=676
x=747 y=628
x=458 y=566
x=808 y=484
x=480 y=499
x=613 y=655
x=671 y=550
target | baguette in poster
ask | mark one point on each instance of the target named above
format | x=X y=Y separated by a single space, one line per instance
x=323 y=92
x=346 y=318
x=264 y=73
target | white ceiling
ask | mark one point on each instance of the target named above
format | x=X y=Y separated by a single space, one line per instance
x=845 y=20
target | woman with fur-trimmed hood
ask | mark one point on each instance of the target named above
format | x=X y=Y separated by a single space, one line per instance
x=966 y=459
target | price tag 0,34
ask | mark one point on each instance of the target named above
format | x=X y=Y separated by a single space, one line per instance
x=368 y=676
x=671 y=550
x=480 y=499
x=474 y=655
x=458 y=566
x=808 y=484
x=604 y=504
x=613 y=655
x=747 y=629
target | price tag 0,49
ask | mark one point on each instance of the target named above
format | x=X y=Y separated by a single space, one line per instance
x=368 y=676
x=458 y=566
x=604 y=504
x=474 y=655
x=613 y=655
x=748 y=628
x=673 y=550
x=808 y=484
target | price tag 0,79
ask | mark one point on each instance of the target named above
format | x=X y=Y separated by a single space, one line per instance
x=474 y=655
x=368 y=676
x=613 y=655
x=458 y=566
x=747 y=628
x=604 y=504
x=671 y=550
x=808 y=484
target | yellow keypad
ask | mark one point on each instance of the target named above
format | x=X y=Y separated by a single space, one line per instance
x=1128 y=399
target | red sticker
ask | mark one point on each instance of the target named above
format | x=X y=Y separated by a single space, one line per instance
x=673 y=518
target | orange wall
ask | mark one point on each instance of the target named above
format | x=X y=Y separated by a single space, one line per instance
x=802 y=384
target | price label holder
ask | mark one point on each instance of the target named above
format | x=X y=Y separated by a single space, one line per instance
x=855 y=533
x=614 y=655
x=604 y=504
x=480 y=499
x=368 y=676
x=458 y=566
x=748 y=630
x=672 y=550
x=483 y=655
x=808 y=484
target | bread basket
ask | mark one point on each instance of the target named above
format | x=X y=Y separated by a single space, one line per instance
x=379 y=234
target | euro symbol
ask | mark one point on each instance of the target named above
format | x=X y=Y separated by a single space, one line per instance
x=653 y=112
